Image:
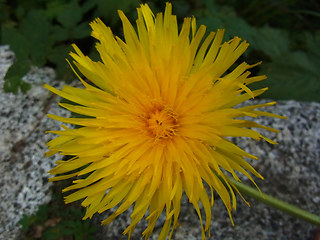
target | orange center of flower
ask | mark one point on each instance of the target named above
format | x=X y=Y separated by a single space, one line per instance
x=160 y=122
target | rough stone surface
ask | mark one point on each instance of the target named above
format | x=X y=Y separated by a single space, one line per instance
x=23 y=166
x=291 y=170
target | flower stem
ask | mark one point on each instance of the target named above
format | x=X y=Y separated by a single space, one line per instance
x=276 y=203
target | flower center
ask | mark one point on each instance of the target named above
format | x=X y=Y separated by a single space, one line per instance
x=161 y=122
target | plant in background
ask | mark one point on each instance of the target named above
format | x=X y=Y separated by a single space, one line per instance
x=40 y=33
x=284 y=33
x=160 y=107
x=291 y=55
x=55 y=221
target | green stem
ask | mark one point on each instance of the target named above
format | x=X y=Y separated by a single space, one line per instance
x=276 y=203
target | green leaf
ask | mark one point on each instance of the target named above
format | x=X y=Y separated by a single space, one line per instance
x=25 y=87
x=13 y=77
x=226 y=18
x=53 y=233
x=20 y=12
x=108 y=9
x=26 y=221
x=38 y=56
x=4 y=11
x=212 y=7
x=308 y=12
x=89 y=5
x=43 y=211
x=18 y=68
x=292 y=76
x=12 y=84
x=70 y=15
x=17 y=42
x=236 y=26
x=36 y=28
x=272 y=42
x=67 y=229
x=53 y=8
x=58 y=55
x=181 y=8
x=313 y=44
x=80 y=31
x=59 y=33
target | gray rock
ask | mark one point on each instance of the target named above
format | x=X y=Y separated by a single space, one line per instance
x=291 y=170
x=23 y=166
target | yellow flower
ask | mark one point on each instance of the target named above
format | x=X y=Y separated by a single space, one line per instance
x=160 y=107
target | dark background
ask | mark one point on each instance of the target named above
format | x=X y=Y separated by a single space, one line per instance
x=284 y=34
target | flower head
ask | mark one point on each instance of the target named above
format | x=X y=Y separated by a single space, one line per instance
x=160 y=107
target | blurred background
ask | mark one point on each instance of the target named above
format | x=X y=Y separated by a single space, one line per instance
x=284 y=34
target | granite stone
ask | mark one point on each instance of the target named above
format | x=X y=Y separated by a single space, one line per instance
x=23 y=166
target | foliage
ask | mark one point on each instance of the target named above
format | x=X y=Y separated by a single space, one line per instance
x=41 y=32
x=55 y=221
x=292 y=57
x=283 y=33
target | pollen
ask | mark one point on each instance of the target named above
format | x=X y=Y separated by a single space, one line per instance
x=160 y=122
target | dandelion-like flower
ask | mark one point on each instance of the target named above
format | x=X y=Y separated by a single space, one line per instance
x=160 y=107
